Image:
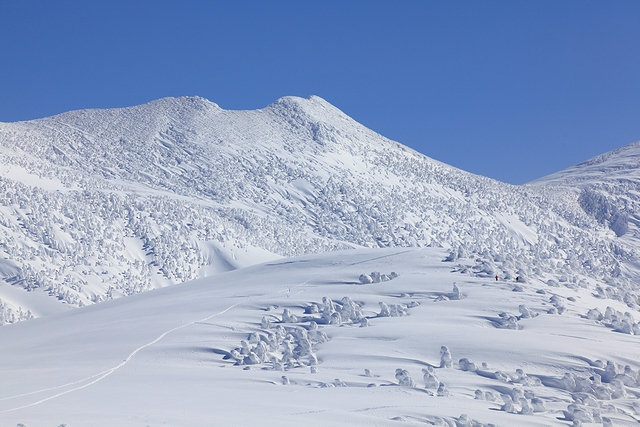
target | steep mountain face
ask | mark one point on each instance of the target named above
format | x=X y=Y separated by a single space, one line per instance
x=97 y=204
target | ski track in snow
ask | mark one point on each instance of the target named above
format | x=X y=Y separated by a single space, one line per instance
x=102 y=375
x=108 y=372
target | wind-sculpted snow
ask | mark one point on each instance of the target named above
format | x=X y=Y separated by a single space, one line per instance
x=98 y=204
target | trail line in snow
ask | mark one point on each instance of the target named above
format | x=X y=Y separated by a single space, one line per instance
x=100 y=376
x=108 y=372
x=53 y=388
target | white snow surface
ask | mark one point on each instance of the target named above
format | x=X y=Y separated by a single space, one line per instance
x=161 y=358
x=264 y=221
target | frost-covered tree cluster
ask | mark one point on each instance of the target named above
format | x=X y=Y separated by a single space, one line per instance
x=376 y=277
x=616 y=320
x=291 y=340
x=98 y=204
x=588 y=390
x=84 y=247
x=10 y=315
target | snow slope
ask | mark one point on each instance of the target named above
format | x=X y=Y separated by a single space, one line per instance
x=609 y=189
x=620 y=165
x=176 y=356
x=99 y=204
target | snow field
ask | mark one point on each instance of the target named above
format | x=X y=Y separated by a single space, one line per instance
x=175 y=340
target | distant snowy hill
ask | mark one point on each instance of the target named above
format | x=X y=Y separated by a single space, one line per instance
x=609 y=187
x=621 y=165
x=98 y=204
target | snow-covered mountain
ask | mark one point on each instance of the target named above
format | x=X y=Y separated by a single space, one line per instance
x=321 y=275
x=96 y=204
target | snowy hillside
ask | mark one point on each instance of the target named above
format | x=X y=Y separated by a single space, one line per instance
x=609 y=189
x=301 y=342
x=621 y=165
x=99 y=204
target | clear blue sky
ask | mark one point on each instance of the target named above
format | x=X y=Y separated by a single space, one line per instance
x=513 y=90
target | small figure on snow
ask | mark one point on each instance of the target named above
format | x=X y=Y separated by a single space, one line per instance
x=403 y=378
x=538 y=405
x=245 y=348
x=525 y=312
x=328 y=308
x=266 y=323
x=527 y=409
x=335 y=319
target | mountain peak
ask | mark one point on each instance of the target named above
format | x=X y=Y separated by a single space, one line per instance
x=179 y=188
x=312 y=108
